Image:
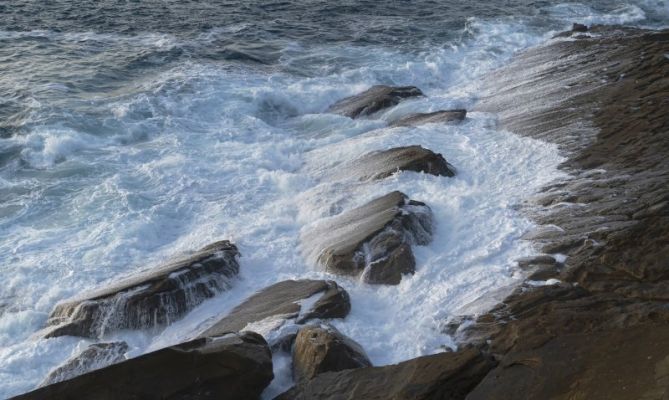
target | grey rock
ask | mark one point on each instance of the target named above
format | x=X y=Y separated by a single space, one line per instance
x=373 y=99
x=96 y=356
x=442 y=116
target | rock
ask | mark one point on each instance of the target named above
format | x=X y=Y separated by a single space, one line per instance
x=579 y=28
x=299 y=301
x=373 y=99
x=149 y=299
x=322 y=348
x=96 y=356
x=233 y=366
x=442 y=116
x=441 y=376
x=381 y=164
x=373 y=240
x=526 y=263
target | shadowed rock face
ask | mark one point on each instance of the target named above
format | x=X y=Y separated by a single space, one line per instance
x=431 y=118
x=153 y=298
x=322 y=348
x=443 y=376
x=284 y=300
x=96 y=356
x=381 y=164
x=373 y=99
x=234 y=366
x=374 y=239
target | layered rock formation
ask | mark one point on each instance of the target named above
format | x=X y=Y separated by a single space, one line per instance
x=155 y=297
x=373 y=240
x=233 y=366
x=381 y=164
x=372 y=100
x=300 y=300
x=443 y=116
x=322 y=348
x=600 y=334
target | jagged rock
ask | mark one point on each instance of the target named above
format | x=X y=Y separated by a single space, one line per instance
x=442 y=116
x=381 y=164
x=149 y=299
x=300 y=300
x=373 y=99
x=373 y=240
x=536 y=261
x=96 y=356
x=441 y=376
x=233 y=366
x=322 y=348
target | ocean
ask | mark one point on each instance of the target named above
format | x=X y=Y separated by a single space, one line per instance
x=135 y=131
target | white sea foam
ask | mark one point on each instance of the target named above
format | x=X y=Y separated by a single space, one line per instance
x=200 y=153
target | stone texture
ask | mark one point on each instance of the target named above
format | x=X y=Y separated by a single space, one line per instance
x=373 y=240
x=152 y=298
x=284 y=300
x=96 y=356
x=381 y=164
x=443 y=116
x=234 y=366
x=445 y=376
x=373 y=99
x=322 y=348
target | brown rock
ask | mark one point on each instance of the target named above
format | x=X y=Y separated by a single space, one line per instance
x=234 y=366
x=373 y=240
x=442 y=116
x=283 y=300
x=381 y=164
x=373 y=99
x=149 y=299
x=322 y=348
x=446 y=376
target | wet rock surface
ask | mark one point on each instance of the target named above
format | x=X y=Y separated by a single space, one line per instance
x=234 y=366
x=96 y=356
x=443 y=116
x=601 y=332
x=373 y=99
x=322 y=348
x=440 y=376
x=373 y=240
x=381 y=164
x=298 y=300
x=152 y=298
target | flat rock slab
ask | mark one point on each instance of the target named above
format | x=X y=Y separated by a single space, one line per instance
x=443 y=116
x=373 y=240
x=300 y=300
x=234 y=366
x=443 y=376
x=153 y=298
x=322 y=348
x=373 y=99
x=96 y=356
x=381 y=164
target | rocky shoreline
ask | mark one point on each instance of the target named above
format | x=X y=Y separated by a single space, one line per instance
x=588 y=323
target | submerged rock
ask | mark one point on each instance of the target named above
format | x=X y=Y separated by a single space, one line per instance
x=152 y=298
x=431 y=118
x=322 y=348
x=96 y=356
x=373 y=99
x=233 y=366
x=300 y=300
x=373 y=240
x=381 y=164
x=440 y=376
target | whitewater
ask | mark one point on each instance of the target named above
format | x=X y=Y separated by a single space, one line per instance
x=101 y=183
